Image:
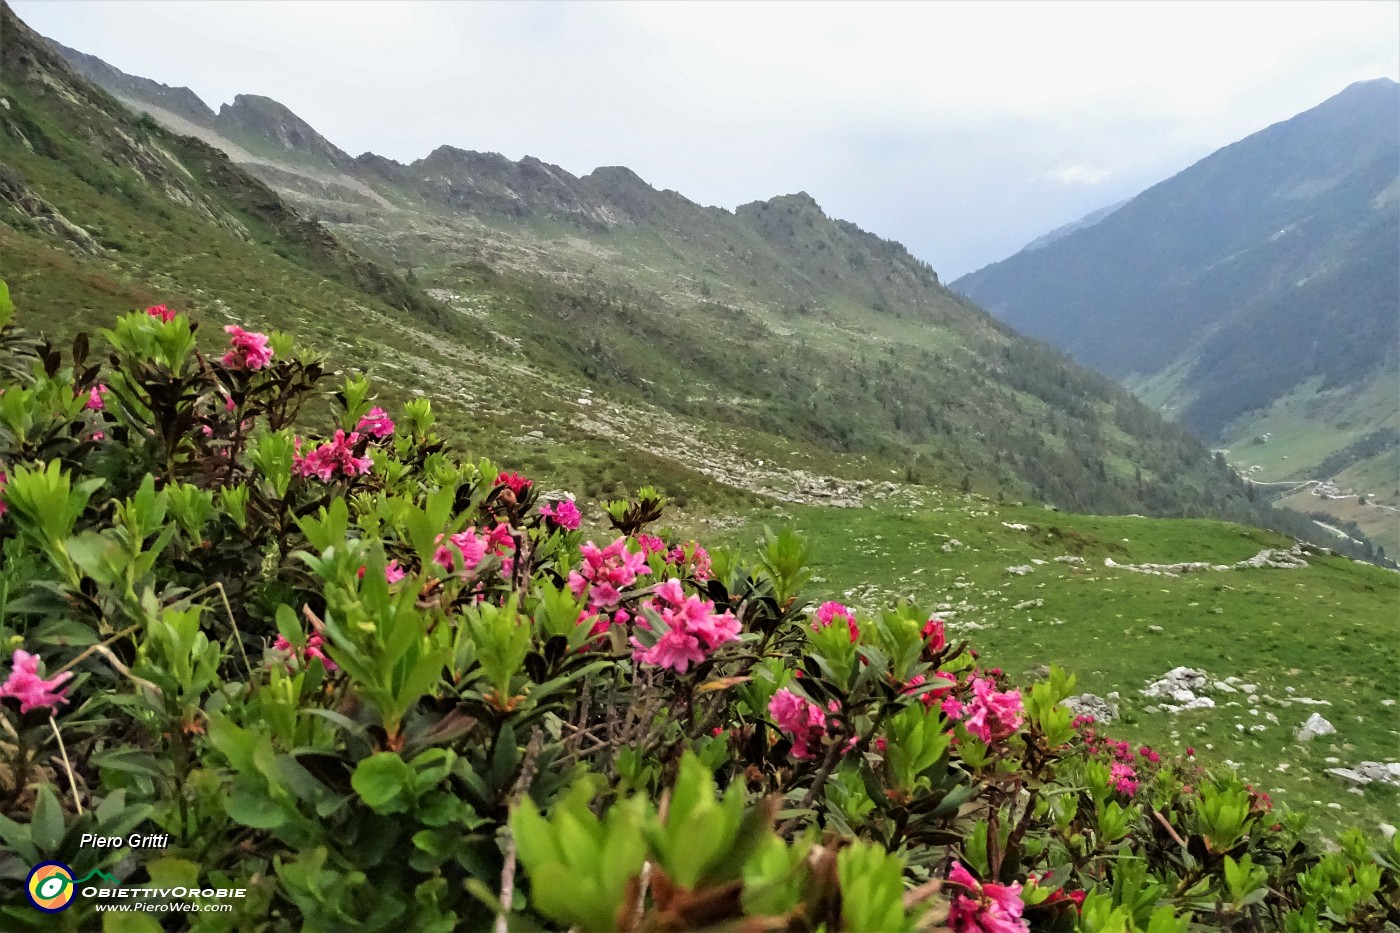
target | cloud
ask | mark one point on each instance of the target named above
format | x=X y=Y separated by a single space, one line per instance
x=1079 y=174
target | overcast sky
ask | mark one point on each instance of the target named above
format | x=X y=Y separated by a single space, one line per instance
x=962 y=130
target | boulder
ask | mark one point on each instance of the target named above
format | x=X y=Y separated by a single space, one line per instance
x=1087 y=704
x=1314 y=727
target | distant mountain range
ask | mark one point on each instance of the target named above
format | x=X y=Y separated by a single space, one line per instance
x=512 y=291
x=1255 y=296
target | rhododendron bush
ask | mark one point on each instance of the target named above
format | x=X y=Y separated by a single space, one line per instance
x=248 y=604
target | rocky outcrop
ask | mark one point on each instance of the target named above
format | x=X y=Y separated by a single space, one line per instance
x=1369 y=772
x=1278 y=558
x=253 y=117
x=1087 y=704
x=17 y=195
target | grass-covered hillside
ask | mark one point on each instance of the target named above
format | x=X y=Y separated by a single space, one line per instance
x=1031 y=587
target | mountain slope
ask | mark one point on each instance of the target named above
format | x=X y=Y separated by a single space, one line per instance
x=1255 y=293
x=832 y=355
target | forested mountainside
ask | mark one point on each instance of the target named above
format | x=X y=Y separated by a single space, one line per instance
x=1255 y=297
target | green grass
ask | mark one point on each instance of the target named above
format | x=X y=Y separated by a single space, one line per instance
x=1328 y=632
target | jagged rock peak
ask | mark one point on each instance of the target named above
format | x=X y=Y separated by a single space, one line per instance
x=276 y=123
x=801 y=202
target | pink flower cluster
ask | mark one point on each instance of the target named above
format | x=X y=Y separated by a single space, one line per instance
x=651 y=544
x=605 y=571
x=830 y=611
x=937 y=694
x=25 y=684
x=693 y=628
x=500 y=543
x=247 y=350
x=303 y=657
x=162 y=312
x=935 y=638
x=469 y=548
x=990 y=714
x=803 y=721
x=1124 y=778
x=4 y=479
x=563 y=514
x=376 y=423
x=986 y=908
x=512 y=481
x=330 y=457
x=1123 y=759
x=94 y=401
x=693 y=553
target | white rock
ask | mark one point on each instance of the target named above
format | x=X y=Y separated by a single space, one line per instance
x=1315 y=726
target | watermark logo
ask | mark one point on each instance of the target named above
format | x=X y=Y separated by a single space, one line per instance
x=51 y=886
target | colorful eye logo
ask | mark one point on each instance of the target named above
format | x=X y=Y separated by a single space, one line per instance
x=50 y=887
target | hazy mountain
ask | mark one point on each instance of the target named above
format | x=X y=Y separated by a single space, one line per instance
x=1255 y=293
x=1088 y=220
x=802 y=335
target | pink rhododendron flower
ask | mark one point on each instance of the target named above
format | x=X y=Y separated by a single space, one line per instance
x=605 y=571
x=161 y=312
x=563 y=514
x=94 y=401
x=986 y=908
x=676 y=650
x=4 y=479
x=247 y=350
x=501 y=543
x=829 y=611
x=937 y=694
x=330 y=457
x=513 y=481
x=651 y=544
x=25 y=684
x=935 y=639
x=693 y=628
x=803 y=721
x=991 y=714
x=698 y=557
x=376 y=423
x=312 y=650
x=467 y=550
x=1124 y=779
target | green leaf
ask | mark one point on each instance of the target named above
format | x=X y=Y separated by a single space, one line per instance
x=253 y=808
x=383 y=781
x=171 y=872
x=46 y=826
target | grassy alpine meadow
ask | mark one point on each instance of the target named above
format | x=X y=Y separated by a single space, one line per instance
x=1317 y=639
